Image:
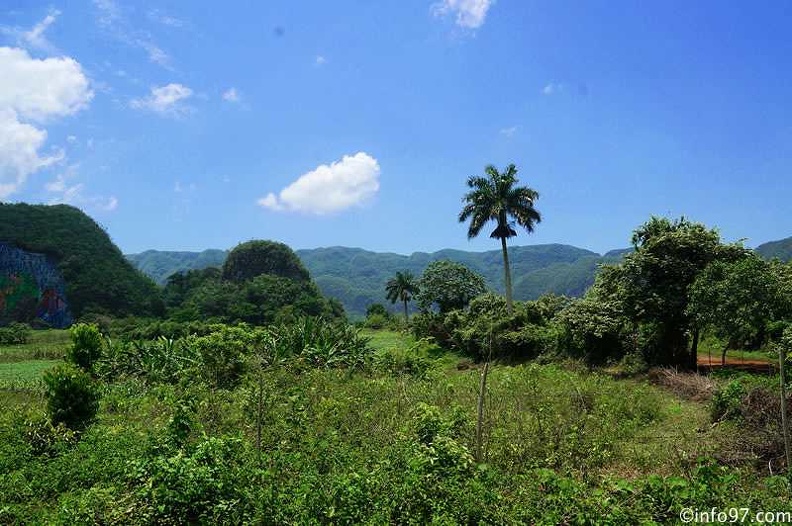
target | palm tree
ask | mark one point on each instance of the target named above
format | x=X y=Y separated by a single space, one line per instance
x=496 y=198
x=402 y=288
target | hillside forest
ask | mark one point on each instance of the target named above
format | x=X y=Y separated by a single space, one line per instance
x=526 y=385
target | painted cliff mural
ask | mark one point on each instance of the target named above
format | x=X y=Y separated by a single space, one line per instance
x=31 y=288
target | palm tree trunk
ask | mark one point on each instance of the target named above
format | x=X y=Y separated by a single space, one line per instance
x=507 y=275
x=406 y=316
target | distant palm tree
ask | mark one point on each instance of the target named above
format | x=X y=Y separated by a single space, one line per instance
x=402 y=288
x=496 y=198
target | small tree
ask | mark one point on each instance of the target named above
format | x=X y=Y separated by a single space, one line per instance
x=448 y=285
x=86 y=346
x=402 y=288
x=72 y=396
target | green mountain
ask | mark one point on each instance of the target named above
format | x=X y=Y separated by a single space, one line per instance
x=357 y=277
x=158 y=265
x=781 y=249
x=95 y=275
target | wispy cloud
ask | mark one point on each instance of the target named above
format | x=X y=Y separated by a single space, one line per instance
x=510 y=131
x=35 y=37
x=320 y=60
x=469 y=14
x=231 y=95
x=64 y=190
x=166 y=100
x=160 y=17
x=329 y=188
x=110 y=17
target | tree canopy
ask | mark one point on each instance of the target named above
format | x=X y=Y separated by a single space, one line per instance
x=449 y=286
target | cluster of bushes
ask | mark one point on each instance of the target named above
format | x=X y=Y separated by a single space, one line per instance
x=14 y=334
x=486 y=329
x=221 y=354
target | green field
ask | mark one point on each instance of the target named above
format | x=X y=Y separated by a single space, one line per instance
x=42 y=345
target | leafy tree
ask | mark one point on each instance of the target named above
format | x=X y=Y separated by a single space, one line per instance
x=496 y=198
x=738 y=299
x=448 y=285
x=653 y=285
x=254 y=258
x=402 y=288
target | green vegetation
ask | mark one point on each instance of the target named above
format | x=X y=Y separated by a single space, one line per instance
x=98 y=277
x=72 y=396
x=296 y=439
x=160 y=265
x=781 y=249
x=261 y=282
x=355 y=277
x=255 y=402
x=495 y=198
x=14 y=334
x=448 y=286
x=402 y=288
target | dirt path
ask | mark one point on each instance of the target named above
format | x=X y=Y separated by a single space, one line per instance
x=747 y=365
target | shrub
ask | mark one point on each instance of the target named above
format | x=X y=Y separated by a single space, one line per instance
x=72 y=396
x=15 y=334
x=86 y=346
x=726 y=401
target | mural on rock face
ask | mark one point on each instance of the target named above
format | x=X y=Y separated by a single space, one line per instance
x=31 y=288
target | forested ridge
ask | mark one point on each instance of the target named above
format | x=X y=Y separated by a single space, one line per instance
x=98 y=277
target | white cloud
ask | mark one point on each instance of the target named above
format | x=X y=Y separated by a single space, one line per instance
x=19 y=152
x=35 y=37
x=231 y=95
x=156 y=15
x=165 y=100
x=320 y=60
x=509 y=132
x=470 y=14
x=329 y=188
x=37 y=90
x=552 y=88
x=110 y=17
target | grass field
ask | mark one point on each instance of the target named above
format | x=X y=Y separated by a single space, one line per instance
x=42 y=345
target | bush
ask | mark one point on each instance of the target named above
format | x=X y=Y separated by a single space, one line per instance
x=15 y=334
x=72 y=397
x=86 y=346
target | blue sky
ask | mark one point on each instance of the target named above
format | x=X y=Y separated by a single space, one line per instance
x=190 y=125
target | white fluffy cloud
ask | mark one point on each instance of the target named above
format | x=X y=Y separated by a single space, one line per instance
x=329 y=188
x=470 y=14
x=165 y=100
x=37 y=91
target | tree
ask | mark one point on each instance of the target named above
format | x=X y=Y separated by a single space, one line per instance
x=402 y=288
x=496 y=198
x=653 y=285
x=448 y=285
x=737 y=300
